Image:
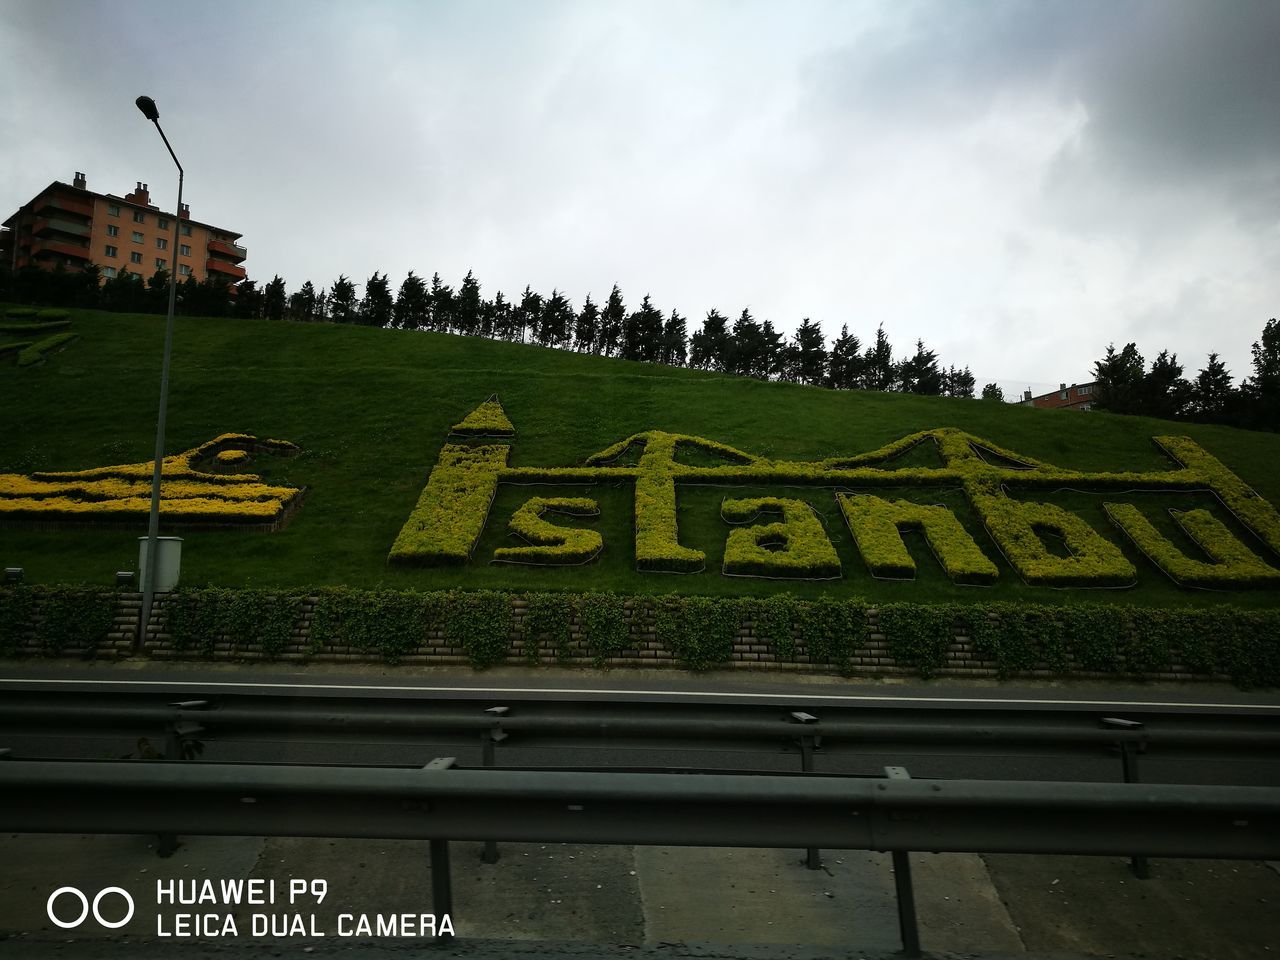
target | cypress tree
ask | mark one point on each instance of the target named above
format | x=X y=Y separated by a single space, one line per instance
x=586 y=327
x=675 y=341
x=810 y=353
x=412 y=310
x=845 y=364
x=612 y=319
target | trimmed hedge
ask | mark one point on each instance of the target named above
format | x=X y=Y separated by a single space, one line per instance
x=546 y=543
x=803 y=548
x=1122 y=640
x=451 y=512
x=877 y=525
x=36 y=352
x=1234 y=566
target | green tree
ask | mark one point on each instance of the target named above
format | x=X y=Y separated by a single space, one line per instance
x=528 y=314
x=958 y=383
x=1119 y=377
x=342 y=301
x=273 y=299
x=248 y=296
x=810 y=353
x=88 y=290
x=1213 y=398
x=556 y=324
x=746 y=353
x=467 y=306
x=878 y=369
x=1164 y=392
x=302 y=303
x=158 y=294
x=611 y=320
x=586 y=327
x=441 y=305
x=845 y=364
x=125 y=292
x=642 y=333
x=675 y=341
x=773 y=354
x=377 y=305
x=1261 y=392
x=412 y=309
x=992 y=391
x=499 y=318
x=920 y=373
x=711 y=346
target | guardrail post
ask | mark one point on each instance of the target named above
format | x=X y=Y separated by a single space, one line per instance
x=176 y=735
x=808 y=743
x=907 y=924
x=489 y=739
x=1129 y=750
x=441 y=876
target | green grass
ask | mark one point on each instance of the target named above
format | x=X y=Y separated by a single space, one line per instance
x=371 y=408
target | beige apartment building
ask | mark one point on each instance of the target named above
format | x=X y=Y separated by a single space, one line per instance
x=72 y=225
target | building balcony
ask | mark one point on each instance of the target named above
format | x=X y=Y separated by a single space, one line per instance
x=228 y=249
x=221 y=266
x=45 y=226
x=42 y=246
x=65 y=204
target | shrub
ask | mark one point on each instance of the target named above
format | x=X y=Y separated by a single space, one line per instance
x=805 y=552
x=548 y=544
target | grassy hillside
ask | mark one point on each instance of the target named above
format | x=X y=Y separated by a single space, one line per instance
x=371 y=408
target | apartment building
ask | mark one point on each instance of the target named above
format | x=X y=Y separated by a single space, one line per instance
x=1078 y=396
x=69 y=224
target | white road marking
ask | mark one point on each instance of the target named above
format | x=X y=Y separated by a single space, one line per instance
x=587 y=691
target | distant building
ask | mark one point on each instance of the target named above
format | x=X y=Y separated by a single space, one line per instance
x=1078 y=396
x=69 y=224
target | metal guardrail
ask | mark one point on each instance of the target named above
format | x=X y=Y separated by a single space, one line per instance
x=1083 y=731
x=443 y=803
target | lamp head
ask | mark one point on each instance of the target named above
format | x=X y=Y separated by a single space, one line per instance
x=148 y=108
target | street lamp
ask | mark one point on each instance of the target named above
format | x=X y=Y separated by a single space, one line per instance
x=148 y=108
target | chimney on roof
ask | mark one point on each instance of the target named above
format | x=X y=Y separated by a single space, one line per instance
x=79 y=181
x=140 y=195
x=185 y=211
x=1062 y=386
x=1026 y=396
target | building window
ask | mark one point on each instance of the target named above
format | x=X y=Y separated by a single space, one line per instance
x=137 y=237
x=161 y=263
x=162 y=223
x=1062 y=395
x=1084 y=391
x=113 y=209
x=139 y=217
x=135 y=257
x=112 y=251
x=184 y=269
x=185 y=249
x=113 y=230
x=162 y=243
x=186 y=229
x=108 y=271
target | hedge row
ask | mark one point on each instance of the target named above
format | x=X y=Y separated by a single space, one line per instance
x=449 y=518
x=700 y=631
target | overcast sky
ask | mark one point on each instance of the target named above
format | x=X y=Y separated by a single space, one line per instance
x=1018 y=184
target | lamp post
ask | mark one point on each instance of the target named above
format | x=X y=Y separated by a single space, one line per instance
x=148 y=108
